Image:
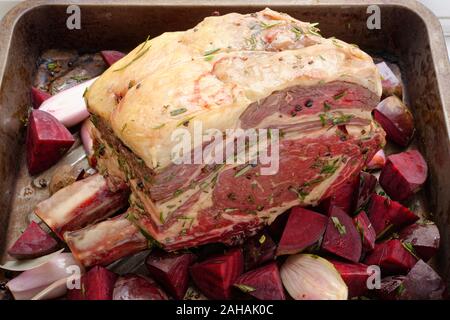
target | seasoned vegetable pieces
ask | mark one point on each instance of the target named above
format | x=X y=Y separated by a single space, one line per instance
x=171 y=271
x=216 y=275
x=96 y=284
x=354 y=275
x=47 y=141
x=424 y=238
x=263 y=283
x=258 y=249
x=304 y=228
x=403 y=174
x=34 y=242
x=396 y=120
x=366 y=230
x=393 y=257
x=136 y=287
x=341 y=237
x=388 y=215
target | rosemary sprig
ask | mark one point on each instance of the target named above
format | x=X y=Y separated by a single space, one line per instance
x=134 y=59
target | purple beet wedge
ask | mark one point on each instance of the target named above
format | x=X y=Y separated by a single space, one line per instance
x=366 y=230
x=392 y=256
x=387 y=215
x=304 y=228
x=341 y=237
x=171 y=271
x=136 y=287
x=216 y=275
x=424 y=238
x=404 y=174
x=38 y=96
x=258 y=249
x=47 y=141
x=354 y=275
x=263 y=283
x=366 y=187
x=34 y=242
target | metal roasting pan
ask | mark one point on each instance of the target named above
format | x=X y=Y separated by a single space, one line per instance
x=410 y=36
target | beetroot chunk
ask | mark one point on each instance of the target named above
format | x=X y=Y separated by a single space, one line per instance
x=354 y=275
x=387 y=215
x=366 y=230
x=303 y=229
x=34 y=242
x=392 y=257
x=391 y=288
x=216 y=275
x=47 y=141
x=258 y=250
x=263 y=283
x=38 y=96
x=111 y=56
x=423 y=283
x=96 y=284
x=403 y=174
x=424 y=238
x=343 y=197
x=341 y=237
x=171 y=271
x=366 y=187
x=99 y=284
x=135 y=287
x=396 y=120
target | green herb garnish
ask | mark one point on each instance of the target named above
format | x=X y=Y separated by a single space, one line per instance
x=242 y=171
x=244 y=288
x=177 y=112
x=265 y=26
x=135 y=58
x=338 y=225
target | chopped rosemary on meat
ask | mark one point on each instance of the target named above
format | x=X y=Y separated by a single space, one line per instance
x=210 y=52
x=161 y=217
x=242 y=171
x=79 y=79
x=339 y=95
x=338 y=225
x=138 y=55
x=265 y=26
x=301 y=194
x=159 y=126
x=177 y=193
x=326 y=106
x=185 y=122
x=251 y=42
x=330 y=167
x=313 y=29
x=297 y=31
x=333 y=119
x=177 y=112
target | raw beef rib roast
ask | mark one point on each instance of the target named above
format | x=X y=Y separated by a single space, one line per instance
x=264 y=70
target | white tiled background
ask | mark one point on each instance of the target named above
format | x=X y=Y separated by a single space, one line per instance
x=441 y=9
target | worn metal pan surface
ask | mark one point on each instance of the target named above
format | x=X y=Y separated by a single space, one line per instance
x=410 y=36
